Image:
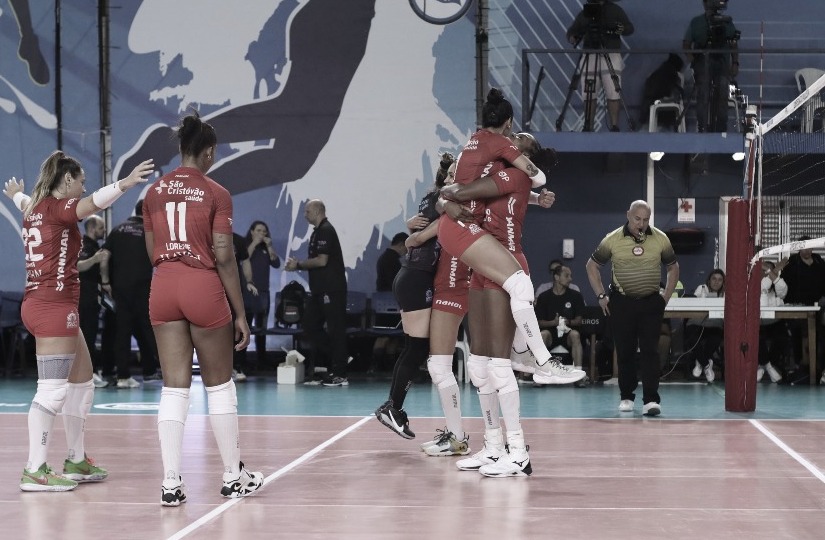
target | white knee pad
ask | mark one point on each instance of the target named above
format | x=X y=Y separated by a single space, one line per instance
x=51 y=395
x=477 y=368
x=174 y=405
x=502 y=376
x=520 y=289
x=79 y=399
x=440 y=367
x=223 y=398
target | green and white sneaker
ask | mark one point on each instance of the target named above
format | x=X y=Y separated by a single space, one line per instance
x=44 y=479
x=85 y=471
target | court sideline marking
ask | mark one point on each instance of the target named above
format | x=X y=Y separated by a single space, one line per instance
x=790 y=451
x=195 y=525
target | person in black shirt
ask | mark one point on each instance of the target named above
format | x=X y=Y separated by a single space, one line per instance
x=88 y=264
x=327 y=301
x=127 y=276
x=250 y=295
x=389 y=263
x=559 y=312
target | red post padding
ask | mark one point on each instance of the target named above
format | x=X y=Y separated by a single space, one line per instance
x=741 y=310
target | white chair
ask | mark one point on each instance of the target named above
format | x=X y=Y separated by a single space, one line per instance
x=804 y=79
x=667 y=104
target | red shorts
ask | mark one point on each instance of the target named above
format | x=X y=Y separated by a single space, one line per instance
x=479 y=282
x=180 y=292
x=44 y=318
x=451 y=285
x=456 y=237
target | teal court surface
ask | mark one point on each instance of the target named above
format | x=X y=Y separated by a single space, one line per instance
x=332 y=471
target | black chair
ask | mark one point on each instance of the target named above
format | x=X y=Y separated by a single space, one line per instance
x=293 y=330
x=12 y=328
x=384 y=315
x=356 y=313
x=593 y=327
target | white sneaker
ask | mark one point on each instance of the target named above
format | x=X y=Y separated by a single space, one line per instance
x=245 y=484
x=772 y=373
x=99 y=381
x=449 y=445
x=625 y=405
x=238 y=376
x=697 y=370
x=432 y=442
x=554 y=372
x=822 y=379
x=492 y=451
x=516 y=462
x=652 y=409
x=760 y=372
x=523 y=361
x=128 y=383
x=710 y=375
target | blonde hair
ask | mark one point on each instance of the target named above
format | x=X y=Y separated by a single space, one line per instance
x=51 y=171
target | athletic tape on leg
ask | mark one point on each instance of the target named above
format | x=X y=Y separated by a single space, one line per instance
x=54 y=366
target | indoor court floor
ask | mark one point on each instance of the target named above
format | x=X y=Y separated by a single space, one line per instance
x=332 y=471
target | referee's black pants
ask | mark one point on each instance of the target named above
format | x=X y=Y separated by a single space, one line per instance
x=637 y=322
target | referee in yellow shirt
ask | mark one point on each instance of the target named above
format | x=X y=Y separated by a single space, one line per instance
x=634 y=303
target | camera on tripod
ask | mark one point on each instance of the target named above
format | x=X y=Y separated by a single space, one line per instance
x=592 y=10
x=717 y=37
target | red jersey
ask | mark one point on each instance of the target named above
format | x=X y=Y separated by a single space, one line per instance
x=52 y=244
x=505 y=214
x=485 y=154
x=187 y=208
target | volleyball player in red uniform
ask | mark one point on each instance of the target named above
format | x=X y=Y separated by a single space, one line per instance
x=506 y=195
x=483 y=253
x=431 y=290
x=188 y=222
x=49 y=310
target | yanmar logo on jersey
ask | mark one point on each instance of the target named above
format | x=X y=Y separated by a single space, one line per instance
x=61 y=259
x=511 y=234
x=176 y=187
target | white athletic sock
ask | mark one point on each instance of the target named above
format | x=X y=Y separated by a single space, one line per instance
x=40 y=427
x=172 y=412
x=510 y=406
x=451 y=403
x=223 y=415
x=519 y=343
x=79 y=397
x=490 y=410
x=525 y=315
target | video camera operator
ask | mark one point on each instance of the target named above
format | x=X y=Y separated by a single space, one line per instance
x=712 y=72
x=601 y=25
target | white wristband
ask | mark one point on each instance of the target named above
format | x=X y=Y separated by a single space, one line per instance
x=538 y=180
x=21 y=200
x=105 y=196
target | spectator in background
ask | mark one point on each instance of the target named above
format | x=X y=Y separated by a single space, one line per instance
x=601 y=25
x=262 y=258
x=773 y=334
x=88 y=264
x=703 y=336
x=389 y=263
x=328 y=293
x=804 y=273
x=559 y=312
x=127 y=277
x=546 y=286
x=713 y=72
x=249 y=293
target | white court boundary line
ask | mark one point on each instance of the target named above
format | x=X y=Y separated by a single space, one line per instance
x=790 y=451
x=195 y=525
